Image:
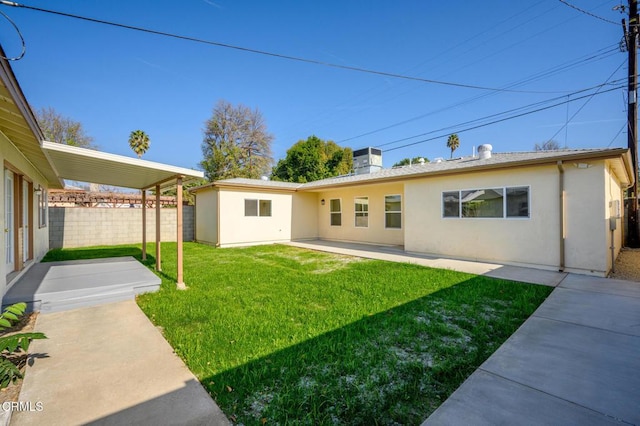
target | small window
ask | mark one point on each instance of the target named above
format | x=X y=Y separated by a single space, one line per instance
x=518 y=202
x=393 y=211
x=265 y=207
x=257 y=207
x=362 y=212
x=451 y=204
x=251 y=207
x=43 y=207
x=483 y=203
x=335 y=210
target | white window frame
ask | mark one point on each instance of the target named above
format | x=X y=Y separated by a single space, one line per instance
x=43 y=208
x=339 y=212
x=363 y=213
x=398 y=212
x=259 y=209
x=504 y=203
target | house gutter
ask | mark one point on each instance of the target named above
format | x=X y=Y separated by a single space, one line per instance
x=562 y=215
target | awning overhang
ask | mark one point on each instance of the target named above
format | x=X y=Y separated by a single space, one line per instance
x=87 y=165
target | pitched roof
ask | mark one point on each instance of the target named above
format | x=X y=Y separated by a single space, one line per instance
x=457 y=165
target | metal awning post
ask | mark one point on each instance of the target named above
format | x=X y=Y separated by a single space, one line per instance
x=144 y=224
x=158 y=251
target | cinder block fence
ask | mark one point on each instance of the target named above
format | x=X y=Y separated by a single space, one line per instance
x=92 y=226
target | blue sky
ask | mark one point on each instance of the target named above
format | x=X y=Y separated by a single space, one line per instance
x=114 y=80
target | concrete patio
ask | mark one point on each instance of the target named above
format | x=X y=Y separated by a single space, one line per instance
x=58 y=286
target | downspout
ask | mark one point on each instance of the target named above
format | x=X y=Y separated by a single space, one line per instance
x=561 y=213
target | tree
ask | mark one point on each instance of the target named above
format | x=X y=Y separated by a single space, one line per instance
x=549 y=145
x=313 y=159
x=453 y=143
x=236 y=143
x=139 y=142
x=407 y=161
x=64 y=130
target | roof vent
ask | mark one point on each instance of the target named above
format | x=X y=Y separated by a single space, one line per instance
x=421 y=160
x=438 y=160
x=484 y=151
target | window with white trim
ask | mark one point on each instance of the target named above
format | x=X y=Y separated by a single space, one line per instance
x=506 y=202
x=43 y=207
x=393 y=211
x=253 y=207
x=335 y=210
x=362 y=212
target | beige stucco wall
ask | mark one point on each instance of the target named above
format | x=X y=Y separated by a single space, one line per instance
x=613 y=198
x=525 y=241
x=376 y=232
x=207 y=216
x=236 y=229
x=8 y=153
x=304 y=216
x=533 y=241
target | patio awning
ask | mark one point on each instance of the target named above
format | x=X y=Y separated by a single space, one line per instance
x=87 y=165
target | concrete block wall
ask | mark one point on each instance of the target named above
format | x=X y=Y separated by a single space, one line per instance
x=88 y=226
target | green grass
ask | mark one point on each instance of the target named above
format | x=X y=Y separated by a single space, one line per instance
x=291 y=336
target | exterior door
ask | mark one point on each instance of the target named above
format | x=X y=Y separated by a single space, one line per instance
x=25 y=220
x=9 y=222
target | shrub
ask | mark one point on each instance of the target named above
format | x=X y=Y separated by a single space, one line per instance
x=12 y=344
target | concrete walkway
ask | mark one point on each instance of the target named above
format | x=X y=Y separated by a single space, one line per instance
x=108 y=365
x=575 y=361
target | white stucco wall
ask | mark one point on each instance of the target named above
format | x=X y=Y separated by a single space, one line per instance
x=614 y=209
x=304 y=220
x=236 y=229
x=9 y=154
x=206 y=206
x=376 y=232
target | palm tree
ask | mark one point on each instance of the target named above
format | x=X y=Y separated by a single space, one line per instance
x=139 y=142
x=453 y=143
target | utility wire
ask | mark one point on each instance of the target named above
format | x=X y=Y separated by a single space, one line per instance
x=566 y=124
x=588 y=13
x=499 y=114
x=24 y=46
x=264 y=52
x=502 y=119
x=554 y=70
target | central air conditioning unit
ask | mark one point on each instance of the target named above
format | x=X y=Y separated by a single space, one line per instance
x=367 y=160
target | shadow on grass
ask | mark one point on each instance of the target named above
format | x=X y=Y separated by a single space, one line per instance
x=394 y=367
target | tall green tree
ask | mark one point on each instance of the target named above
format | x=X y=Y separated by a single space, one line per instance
x=453 y=143
x=313 y=159
x=407 y=161
x=236 y=143
x=139 y=142
x=60 y=129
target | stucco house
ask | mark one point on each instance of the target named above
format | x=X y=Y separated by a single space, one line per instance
x=555 y=210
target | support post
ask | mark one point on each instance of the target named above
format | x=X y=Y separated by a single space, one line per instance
x=180 y=281
x=633 y=235
x=144 y=224
x=158 y=251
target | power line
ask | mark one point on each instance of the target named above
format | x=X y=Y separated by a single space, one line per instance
x=264 y=52
x=501 y=120
x=588 y=13
x=604 y=52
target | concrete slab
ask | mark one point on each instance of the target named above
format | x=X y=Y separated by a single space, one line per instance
x=55 y=286
x=593 y=309
x=586 y=366
x=397 y=254
x=109 y=365
x=602 y=285
x=486 y=399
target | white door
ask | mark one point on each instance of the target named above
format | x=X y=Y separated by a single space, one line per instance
x=25 y=221
x=8 y=221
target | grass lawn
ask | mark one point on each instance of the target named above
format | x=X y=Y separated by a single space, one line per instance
x=278 y=334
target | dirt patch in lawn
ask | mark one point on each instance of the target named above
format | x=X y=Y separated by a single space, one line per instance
x=26 y=325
